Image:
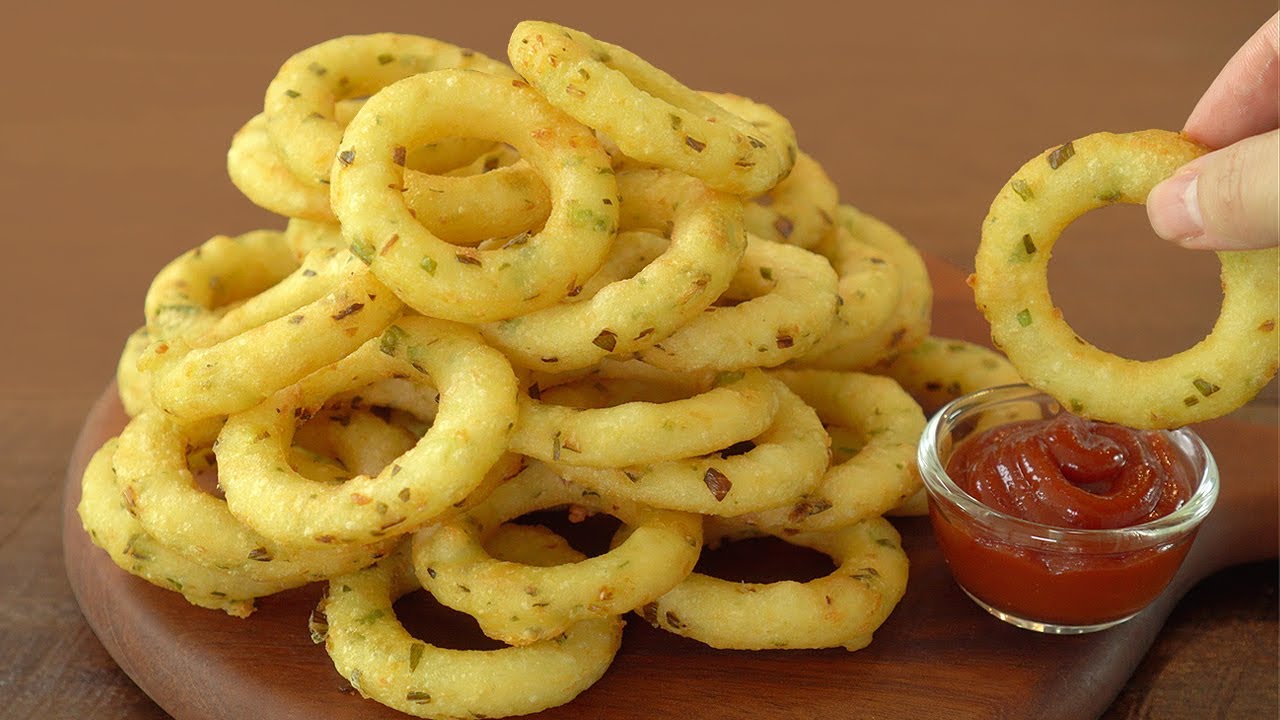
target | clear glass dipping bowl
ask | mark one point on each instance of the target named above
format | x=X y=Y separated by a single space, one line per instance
x=1043 y=578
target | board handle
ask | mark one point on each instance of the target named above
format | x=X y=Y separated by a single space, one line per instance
x=1244 y=526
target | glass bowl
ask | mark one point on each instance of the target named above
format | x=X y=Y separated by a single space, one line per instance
x=1043 y=578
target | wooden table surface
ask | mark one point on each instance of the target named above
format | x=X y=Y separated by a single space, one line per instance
x=117 y=118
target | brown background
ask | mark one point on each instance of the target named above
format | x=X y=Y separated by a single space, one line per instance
x=117 y=117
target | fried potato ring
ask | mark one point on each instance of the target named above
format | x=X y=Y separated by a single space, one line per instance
x=789 y=302
x=1217 y=375
x=522 y=604
x=939 y=370
x=303 y=236
x=463 y=207
x=784 y=462
x=189 y=294
x=133 y=385
x=649 y=114
x=477 y=411
x=738 y=407
x=842 y=609
x=300 y=101
x=870 y=289
x=160 y=490
x=442 y=280
x=908 y=323
x=382 y=661
x=111 y=527
x=257 y=170
x=439 y=157
x=631 y=314
x=313 y=319
x=799 y=210
x=364 y=442
x=498 y=195
x=879 y=472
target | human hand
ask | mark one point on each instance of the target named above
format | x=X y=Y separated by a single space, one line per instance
x=1229 y=199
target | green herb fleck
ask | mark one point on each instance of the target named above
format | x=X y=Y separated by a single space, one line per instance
x=1205 y=387
x=429 y=265
x=1024 y=317
x=728 y=378
x=1023 y=189
x=391 y=339
x=363 y=250
x=1059 y=157
x=415 y=655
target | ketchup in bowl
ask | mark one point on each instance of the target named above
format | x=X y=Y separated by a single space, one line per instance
x=1056 y=523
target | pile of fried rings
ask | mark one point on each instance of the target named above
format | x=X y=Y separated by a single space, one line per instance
x=572 y=283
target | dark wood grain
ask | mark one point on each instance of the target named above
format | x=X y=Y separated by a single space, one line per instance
x=937 y=653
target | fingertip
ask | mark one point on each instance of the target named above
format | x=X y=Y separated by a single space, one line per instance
x=1173 y=208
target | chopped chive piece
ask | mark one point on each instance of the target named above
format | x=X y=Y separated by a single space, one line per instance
x=1059 y=157
x=1024 y=317
x=1205 y=387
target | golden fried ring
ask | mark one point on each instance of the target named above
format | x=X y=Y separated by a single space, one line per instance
x=303 y=236
x=300 y=103
x=631 y=314
x=366 y=443
x=939 y=370
x=160 y=490
x=1217 y=375
x=842 y=609
x=187 y=297
x=879 y=472
x=649 y=114
x=443 y=280
x=789 y=302
x=738 y=408
x=496 y=196
x=521 y=604
x=133 y=385
x=477 y=411
x=909 y=322
x=799 y=210
x=112 y=528
x=465 y=206
x=870 y=289
x=784 y=462
x=315 y=317
x=257 y=170
x=382 y=661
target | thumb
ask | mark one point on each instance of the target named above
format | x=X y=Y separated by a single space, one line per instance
x=1228 y=199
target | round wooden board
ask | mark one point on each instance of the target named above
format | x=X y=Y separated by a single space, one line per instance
x=938 y=654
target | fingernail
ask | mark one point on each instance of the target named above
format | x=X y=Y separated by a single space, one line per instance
x=1174 y=208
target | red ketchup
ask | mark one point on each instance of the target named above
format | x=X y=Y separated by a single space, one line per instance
x=1065 y=472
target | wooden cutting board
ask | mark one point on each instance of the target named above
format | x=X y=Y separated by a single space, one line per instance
x=938 y=655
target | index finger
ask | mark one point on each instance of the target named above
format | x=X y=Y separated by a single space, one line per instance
x=1242 y=101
